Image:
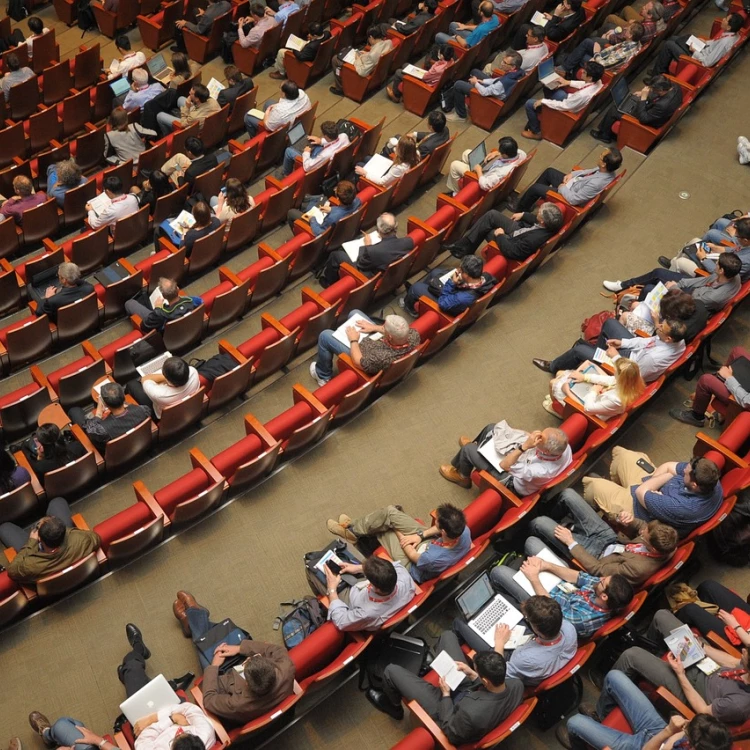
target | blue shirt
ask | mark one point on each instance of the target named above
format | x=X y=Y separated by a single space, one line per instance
x=535 y=661
x=55 y=189
x=578 y=607
x=481 y=31
x=285 y=10
x=676 y=505
x=437 y=558
x=136 y=99
x=335 y=214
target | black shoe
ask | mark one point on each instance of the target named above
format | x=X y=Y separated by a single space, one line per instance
x=664 y=262
x=687 y=416
x=597 y=679
x=600 y=136
x=336 y=90
x=512 y=202
x=182 y=683
x=379 y=700
x=543 y=364
x=135 y=639
x=456 y=250
x=589 y=709
x=120 y=722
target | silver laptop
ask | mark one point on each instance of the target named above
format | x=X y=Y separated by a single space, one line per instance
x=158 y=68
x=298 y=137
x=477 y=156
x=547 y=75
x=153 y=365
x=120 y=86
x=149 y=699
x=484 y=609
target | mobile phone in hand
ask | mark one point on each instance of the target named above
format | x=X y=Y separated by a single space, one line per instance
x=645 y=465
x=334 y=567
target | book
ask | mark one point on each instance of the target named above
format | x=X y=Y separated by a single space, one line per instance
x=487 y=450
x=548 y=580
x=695 y=44
x=317 y=214
x=98 y=386
x=100 y=203
x=414 y=71
x=156 y=299
x=353 y=247
x=340 y=333
x=350 y=56
x=182 y=223
x=684 y=646
x=518 y=636
x=259 y=113
x=445 y=666
x=539 y=19
x=214 y=87
x=654 y=297
x=294 y=42
x=377 y=166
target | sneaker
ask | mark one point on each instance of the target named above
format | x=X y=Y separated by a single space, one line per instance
x=314 y=375
x=340 y=528
x=548 y=406
x=688 y=402
x=453 y=117
x=686 y=416
x=336 y=90
x=743 y=149
x=402 y=301
x=612 y=286
x=15 y=744
x=589 y=709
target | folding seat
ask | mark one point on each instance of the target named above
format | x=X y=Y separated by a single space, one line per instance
x=101 y=101
x=203 y=48
x=400 y=368
x=13 y=144
x=459 y=216
x=445 y=326
x=357 y=87
x=226 y=306
x=13 y=599
x=419 y=96
x=558 y=125
x=344 y=31
x=20 y=409
x=485 y=111
x=158 y=29
x=24 y=340
x=130 y=232
x=18 y=503
x=347 y=391
x=620 y=619
x=23 y=99
x=231 y=384
x=72 y=383
x=267 y=277
x=110 y=23
x=436 y=161
x=57 y=83
x=77 y=319
x=179 y=135
x=185 y=332
x=74 y=211
x=417 y=739
x=670 y=568
x=304 y=73
x=66 y=11
x=86 y=66
x=170 y=204
x=249 y=59
x=21 y=52
x=308 y=254
x=88 y=149
x=45 y=51
x=12 y=288
x=178 y=417
x=271 y=349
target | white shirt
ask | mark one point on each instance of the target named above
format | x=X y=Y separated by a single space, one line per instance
x=530 y=472
x=578 y=100
x=285 y=110
x=130 y=61
x=161 y=734
x=532 y=56
x=163 y=394
x=30 y=41
x=122 y=206
x=652 y=355
x=329 y=149
x=498 y=170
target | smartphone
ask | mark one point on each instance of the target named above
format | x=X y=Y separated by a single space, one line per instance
x=645 y=465
x=334 y=567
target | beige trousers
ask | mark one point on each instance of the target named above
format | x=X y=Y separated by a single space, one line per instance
x=384 y=523
x=627 y=14
x=178 y=163
x=456 y=171
x=613 y=495
x=280 y=61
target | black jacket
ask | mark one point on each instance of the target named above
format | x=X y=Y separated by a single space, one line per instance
x=192 y=235
x=656 y=111
x=413 y=24
x=198 y=167
x=558 y=28
x=157 y=319
x=374 y=258
x=431 y=141
x=230 y=94
x=309 y=52
x=526 y=244
x=66 y=296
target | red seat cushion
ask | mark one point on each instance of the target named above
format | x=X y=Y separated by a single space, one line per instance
x=56 y=376
x=417 y=739
x=7 y=586
x=575 y=427
x=737 y=434
x=210 y=295
x=12 y=327
x=616 y=127
x=688 y=74
x=497 y=266
x=427 y=325
x=108 y=350
x=230 y=459
x=470 y=193
x=300 y=315
x=256 y=345
x=253 y=270
x=339 y=290
x=442 y=218
x=292 y=246
x=336 y=388
x=182 y=489
x=483 y=512
x=145 y=264
x=18 y=394
x=317 y=651
x=284 y=424
x=123 y=523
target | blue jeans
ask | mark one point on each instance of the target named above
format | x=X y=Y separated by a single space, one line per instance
x=328 y=346
x=252 y=123
x=716 y=234
x=422 y=289
x=165 y=120
x=443 y=38
x=200 y=624
x=289 y=156
x=580 y=55
x=64 y=732
x=502 y=575
x=461 y=90
x=618 y=690
x=590 y=531
x=532 y=116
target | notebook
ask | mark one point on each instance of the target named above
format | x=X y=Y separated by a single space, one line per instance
x=695 y=44
x=215 y=88
x=340 y=333
x=150 y=699
x=294 y=42
x=377 y=166
x=539 y=19
x=413 y=70
x=353 y=247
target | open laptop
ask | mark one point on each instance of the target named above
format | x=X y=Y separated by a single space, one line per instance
x=624 y=100
x=149 y=699
x=298 y=137
x=478 y=155
x=153 y=365
x=547 y=75
x=112 y=274
x=484 y=609
x=39 y=283
x=120 y=86
x=158 y=68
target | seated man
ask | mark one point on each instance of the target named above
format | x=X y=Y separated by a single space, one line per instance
x=292 y=103
x=15 y=74
x=467 y=284
x=52 y=545
x=370 y=355
x=653 y=354
x=128 y=59
x=554 y=644
x=184 y=168
x=724 y=229
x=426 y=9
x=593 y=544
x=714 y=291
x=499 y=87
x=266 y=677
x=316 y=35
x=195 y=108
x=385 y=590
x=348 y=203
x=722 y=386
x=437 y=135
x=649 y=729
x=237 y=85
x=566 y=18
x=112 y=418
x=71 y=288
x=517 y=237
x=726 y=622
x=683 y=494
x=172 y=305
x=176 y=381
x=609 y=56
x=560 y=99
x=656 y=105
x=141 y=91
x=365 y=60
x=23 y=199
x=577 y=187
x=37 y=28
x=494 y=168
x=406 y=539
x=709 y=55
x=252 y=29
x=468 y=35
x=725 y=694
x=527 y=460
x=534 y=52
x=475 y=708
x=205 y=20
x=120 y=206
x=373 y=257
x=587 y=602
x=319 y=152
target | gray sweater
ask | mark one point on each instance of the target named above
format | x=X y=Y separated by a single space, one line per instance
x=705 y=289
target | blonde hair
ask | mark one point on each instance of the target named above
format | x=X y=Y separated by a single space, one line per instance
x=628 y=381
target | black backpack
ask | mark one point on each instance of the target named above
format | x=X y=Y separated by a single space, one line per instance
x=348 y=127
x=306 y=616
x=17 y=10
x=86 y=18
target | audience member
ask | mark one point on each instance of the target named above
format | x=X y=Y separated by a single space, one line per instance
x=734 y=238
x=15 y=74
x=128 y=59
x=405 y=157
x=347 y=203
x=426 y=10
x=183 y=69
x=23 y=199
x=320 y=150
x=123 y=140
x=50 y=449
x=527 y=460
x=237 y=85
x=252 y=28
x=316 y=35
x=195 y=108
x=566 y=18
x=205 y=20
x=233 y=200
x=292 y=103
x=436 y=63
x=37 y=28
x=63 y=176
x=651 y=18
x=71 y=287
x=283 y=11
x=365 y=60
x=726 y=622
x=11 y=476
x=437 y=135
x=725 y=229
x=609 y=56
x=120 y=206
x=205 y=223
x=468 y=35
x=171 y=306
x=141 y=91
x=153 y=187
x=637 y=316
x=185 y=168
x=535 y=51
x=495 y=167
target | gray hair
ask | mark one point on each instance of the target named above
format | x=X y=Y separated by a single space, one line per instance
x=555 y=442
x=551 y=216
x=386 y=224
x=657 y=10
x=168 y=289
x=396 y=328
x=69 y=272
x=140 y=77
x=515 y=58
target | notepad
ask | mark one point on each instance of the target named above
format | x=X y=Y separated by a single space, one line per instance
x=317 y=214
x=98 y=386
x=294 y=42
x=100 y=203
x=353 y=247
x=214 y=87
x=259 y=113
x=445 y=666
x=350 y=56
x=445 y=278
x=581 y=390
x=377 y=166
x=487 y=450
x=600 y=355
x=685 y=647
x=182 y=223
x=340 y=333
x=156 y=299
x=539 y=19
x=548 y=580
x=695 y=44
x=654 y=297
x=329 y=555
x=413 y=70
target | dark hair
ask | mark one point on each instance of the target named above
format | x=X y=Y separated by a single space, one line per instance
x=447 y=52
x=742 y=227
x=290 y=89
x=537 y=32
x=677 y=305
x=734 y=21
x=612 y=159
x=436 y=120
x=160 y=183
x=508 y=146
x=575 y=4
x=51 y=439
x=260 y=675
x=233 y=73
x=619 y=592
x=486 y=9
x=113 y=395
x=730 y=263
x=660 y=83
x=676 y=330
x=637 y=31
x=187 y=741
x=376 y=32
x=202 y=94
x=663 y=537
x=195 y=146
x=329 y=130
x=257 y=9
x=7 y=467
x=37 y=27
x=12 y=62
x=706 y=732
x=515 y=58
x=181 y=65
x=113 y=183
x=705 y=473
x=594 y=70
x=236 y=196
x=118 y=119
x=449 y=518
x=315 y=29
x=380 y=573
x=491 y=666
x=202 y=214
x=472 y=265
x=346 y=192
x=544 y=615
x=52 y=531
x=122 y=41
x=176 y=370
x=431 y=6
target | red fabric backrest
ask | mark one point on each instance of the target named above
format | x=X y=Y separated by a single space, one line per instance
x=17 y=395
x=123 y=523
x=300 y=315
x=293 y=245
x=7 y=586
x=55 y=377
x=688 y=74
x=228 y=461
x=367 y=194
x=483 y=512
x=284 y=424
x=442 y=217
x=209 y=296
x=575 y=427
x=497 y=266
x=470 y=193
x=255 y=345
x=336 y=388
x=418 y=235
x=340 y=290
x=717 y=458
x=318 y=650
x=427 y=325
x=736 y=435
x=263 y=197
x=253 y=270
x=417 y=739
x=184 y=488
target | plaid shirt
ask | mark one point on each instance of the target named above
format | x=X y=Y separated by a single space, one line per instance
x=619 y=54
x=579 y=609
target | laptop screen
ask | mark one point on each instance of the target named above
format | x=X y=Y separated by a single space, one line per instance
x=120 y=86
x=297 y=133
x=546 y=67
x=477 y=155
x=620 y=91
x=476 y=596
x=156 y=65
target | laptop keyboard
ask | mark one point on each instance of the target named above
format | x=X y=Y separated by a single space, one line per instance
x=154 y=365
x=496 y=611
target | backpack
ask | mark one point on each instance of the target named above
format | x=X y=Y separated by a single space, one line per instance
x=592 y=327
x=218 y=365
x=403 y=650
x=86 y=18
x=348 y=127
x=306 y=615
x=17 y=10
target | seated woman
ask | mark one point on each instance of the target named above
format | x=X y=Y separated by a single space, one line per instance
x=61 y=177
x=405 y=158
x=124 y=140
x=154 y=187
x=232 y=200
x=440 y=57
x=11 y=475
x=183 y=68
x=205 y=223
x=731 y=622
x=609 y=395
x=48 y=450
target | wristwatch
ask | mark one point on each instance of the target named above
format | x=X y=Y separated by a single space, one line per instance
x=420 y=533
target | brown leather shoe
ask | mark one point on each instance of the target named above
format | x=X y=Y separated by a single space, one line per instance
x=188 y=600
x=277 y=76
x=39 y=722
x=452 y=475
x=178 y=608
x=531 y=135
x=463 y=440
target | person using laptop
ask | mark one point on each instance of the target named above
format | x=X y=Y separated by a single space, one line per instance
x=517 y=237
x=70 y=287
x=24 y=197
x=182 y=69
x=490 y=170
x=141 y=91
x=318 y=151
x=639 y=551
x=528 y=461
x=174 y=382
x=347 y=203
x=128 y=58
x=170 y=304
x=479 y=703
x=293 y=101
x=120 y=205
x=653 y=105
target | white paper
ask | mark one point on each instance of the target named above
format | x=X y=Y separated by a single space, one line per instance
x=600 y=355
x=377 y=166
x=446 y=667
x=654 y=297
x=581 y=390
x=98 y=386
x=182 y=223
x=353 y=247
x=518 y=636
x=695 y=44
x=488 y=451
x=350 y=56
x=548 y=580
x=214 y=87
x=414 y=71
x=539 y=19
x=446 y=276
x=317 y=214
x=340 y=333
x=294 y=42
x=330 y=555
x=156 y=299
x=100 y=203
x=259 y=113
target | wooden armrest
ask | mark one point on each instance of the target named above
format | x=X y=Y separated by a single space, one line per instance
x=128 y=266
x=364 y=182
x=309 y=295
x=5 y=265
x=471 y=175
x=354 y=273
x=271 y=181
x=300 y=393
x=49 y=245
x=36 y=485
x=136 y=321
x=90 y=350
x=701 y=272
x=267 y=251
x=145 y=496
x=572 y=405
x=429 y=303
x=81 y=436
x=675 y=703
x=226 y=348
x=166 y=244
x=447 y=200
x=79 y=522
x=226 y=275
x=121 y=742
x=489 y=482
x=254 y=427
x=553 y=195
x=221 y=733
x=723 y=644
x=706 y=440
x=426 y=720
x=414 y=222
x=303 y=225
x=32 y=305
x=41 y=379
x=268 y=321
x=199 y=461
